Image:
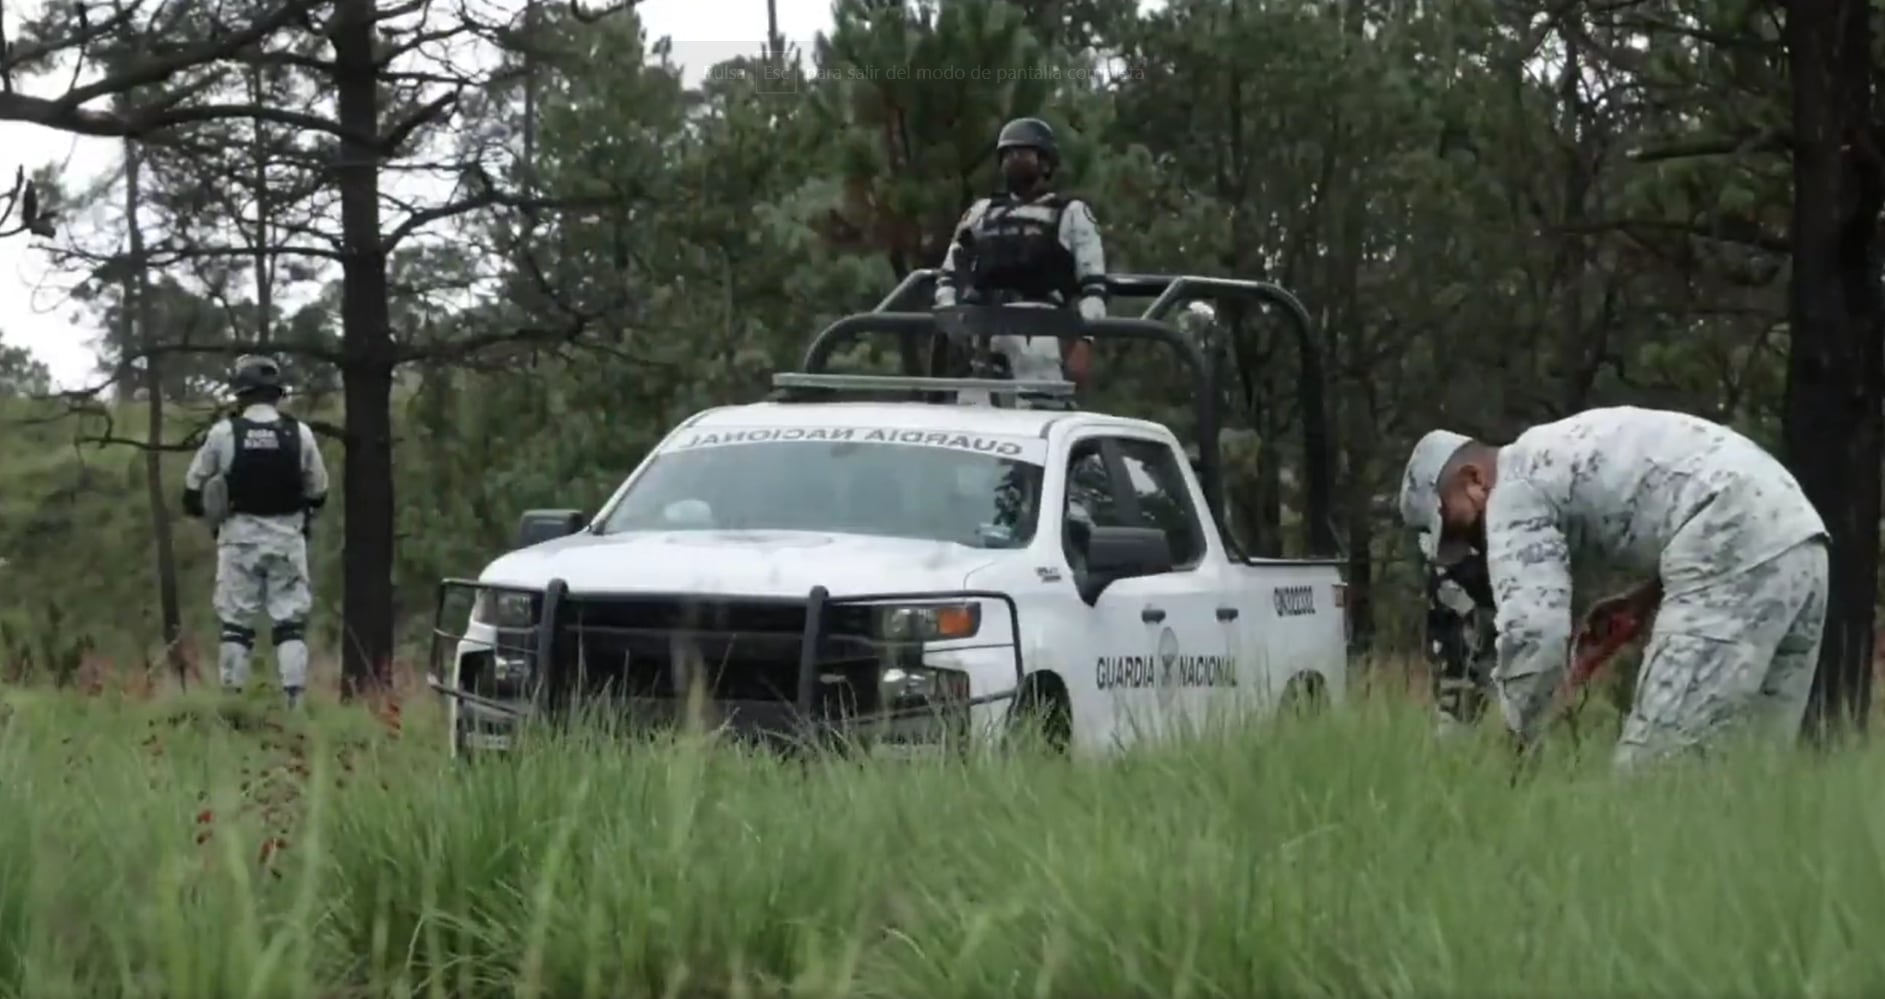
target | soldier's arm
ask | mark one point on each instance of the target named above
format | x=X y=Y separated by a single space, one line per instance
x=1080 y=234
x=313 y=470
x=208 y=461
x=1530 y=565
x=948 y=281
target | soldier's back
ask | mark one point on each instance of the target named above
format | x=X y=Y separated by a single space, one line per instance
x=1645 y=486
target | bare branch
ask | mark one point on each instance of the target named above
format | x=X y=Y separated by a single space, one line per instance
x=432 y=110
x=164 y=254
x=237 y=349
x=106 y=440
x=489 y=198
x=1741 y=232
x=149 y=123
x=158 y=70
x=325 y=429
x=1775 y=141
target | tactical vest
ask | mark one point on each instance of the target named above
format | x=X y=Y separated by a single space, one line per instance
x=1018 y=255
x=265 y=474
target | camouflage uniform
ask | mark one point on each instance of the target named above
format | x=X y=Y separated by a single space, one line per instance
x=1739 y=551
x=1004 y=246
x=261 y=559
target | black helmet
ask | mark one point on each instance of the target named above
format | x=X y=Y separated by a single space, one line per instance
x=256 y=373
x=1031 y=133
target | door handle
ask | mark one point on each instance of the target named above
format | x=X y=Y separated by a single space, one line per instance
x=1151 y=615
x=1227 y=613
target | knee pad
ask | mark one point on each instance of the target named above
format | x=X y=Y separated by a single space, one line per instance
x=290 y=631
x=236 y=634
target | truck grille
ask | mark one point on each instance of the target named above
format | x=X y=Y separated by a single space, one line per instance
x=748 y=651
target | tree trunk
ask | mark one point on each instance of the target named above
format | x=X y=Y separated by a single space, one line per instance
x=530 y=96
x=138 y=304
x=1365 y=410
x=1834 y=428
x=264 y=262
x=367 y=365
x=1575 y=368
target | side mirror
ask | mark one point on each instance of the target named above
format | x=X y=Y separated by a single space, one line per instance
x=537 y=526
x=1116 y=553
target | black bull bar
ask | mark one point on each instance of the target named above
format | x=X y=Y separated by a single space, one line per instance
x=828 y=638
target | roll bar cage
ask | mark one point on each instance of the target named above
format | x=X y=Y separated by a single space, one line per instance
x=904 y=312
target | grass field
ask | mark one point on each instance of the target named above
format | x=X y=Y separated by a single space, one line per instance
x=187 y=849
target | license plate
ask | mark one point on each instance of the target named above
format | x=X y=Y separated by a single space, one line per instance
x=907 y=750
x=487 y=740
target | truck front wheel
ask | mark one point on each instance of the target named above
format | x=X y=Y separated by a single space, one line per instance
x=1041 y=712
x=1305 y=695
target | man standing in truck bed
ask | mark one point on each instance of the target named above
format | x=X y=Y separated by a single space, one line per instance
x=1736 y=553
x=1029 y=246
x=271 y=471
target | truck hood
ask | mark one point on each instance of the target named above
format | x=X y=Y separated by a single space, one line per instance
x=752 y=563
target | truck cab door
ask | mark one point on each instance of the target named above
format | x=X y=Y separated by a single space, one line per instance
x=1152 y=638
x=1118 y=632
x=1199 y=649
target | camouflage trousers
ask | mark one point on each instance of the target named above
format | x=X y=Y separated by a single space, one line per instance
x=1030 y=358
x=1734 y=656
x=263 y=575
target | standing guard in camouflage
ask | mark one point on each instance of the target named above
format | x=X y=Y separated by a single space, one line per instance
x=264 y=478
x=1030 y=247
x=1736 y=554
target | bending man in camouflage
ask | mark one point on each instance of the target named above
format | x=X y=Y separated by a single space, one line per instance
x=1737 y=556
x=1029 y=246
x=270 y=468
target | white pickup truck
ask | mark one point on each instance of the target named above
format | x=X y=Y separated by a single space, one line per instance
x=907 y=574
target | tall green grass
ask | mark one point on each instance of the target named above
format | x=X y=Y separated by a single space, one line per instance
x=1352 y=855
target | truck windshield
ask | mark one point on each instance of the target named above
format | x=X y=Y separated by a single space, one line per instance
x=849 y=487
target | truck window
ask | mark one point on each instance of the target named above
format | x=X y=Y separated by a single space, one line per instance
x=1158 y=484
x=848 y=487
x=1091 y=501
x=1090 y=498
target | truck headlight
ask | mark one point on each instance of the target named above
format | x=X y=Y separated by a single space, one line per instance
x=505 y=608
x=510 y=668
x=495 y=672
x=929 y=622
x=905 y=687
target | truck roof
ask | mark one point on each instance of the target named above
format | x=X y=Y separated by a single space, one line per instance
x=909 y=415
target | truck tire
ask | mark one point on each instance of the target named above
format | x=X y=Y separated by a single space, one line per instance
x=1041 y=709
x=1305 y=695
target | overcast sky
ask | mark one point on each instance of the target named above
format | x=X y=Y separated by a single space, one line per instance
x=34 y=311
